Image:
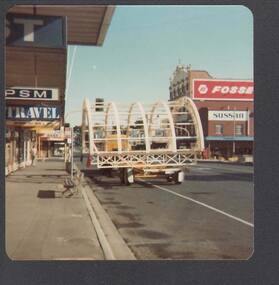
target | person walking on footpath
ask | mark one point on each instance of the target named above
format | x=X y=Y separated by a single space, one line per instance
x=33 y=155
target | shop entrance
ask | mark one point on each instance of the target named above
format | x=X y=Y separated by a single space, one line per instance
x=49 y=149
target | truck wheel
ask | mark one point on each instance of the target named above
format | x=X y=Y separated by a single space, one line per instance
x=179 y=177
x=121 y=175
x=126 y=180
x=169 y=178
x=128 y=176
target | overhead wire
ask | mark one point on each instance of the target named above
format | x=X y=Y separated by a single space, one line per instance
x=69 y=71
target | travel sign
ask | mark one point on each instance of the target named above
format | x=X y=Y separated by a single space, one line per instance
x=231 y=90
x=35 y=31
x=30 y=93
x=30 y=113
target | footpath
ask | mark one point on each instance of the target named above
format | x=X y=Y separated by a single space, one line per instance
x=41 y=224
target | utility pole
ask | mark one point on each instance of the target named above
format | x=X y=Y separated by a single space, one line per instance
x=72 y=154
x=234 y=131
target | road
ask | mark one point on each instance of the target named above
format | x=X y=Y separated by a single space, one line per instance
x=208 y=216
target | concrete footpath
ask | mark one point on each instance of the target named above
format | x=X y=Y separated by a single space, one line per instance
x=41 y=224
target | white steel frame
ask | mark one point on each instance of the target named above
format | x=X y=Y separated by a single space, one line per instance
x=115 y=122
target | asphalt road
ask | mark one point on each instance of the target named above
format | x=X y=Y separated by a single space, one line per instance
x=208 y=216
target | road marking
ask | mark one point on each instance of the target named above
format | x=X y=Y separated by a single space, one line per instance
x=201 y=168
x=242 y=169
x=200 y=203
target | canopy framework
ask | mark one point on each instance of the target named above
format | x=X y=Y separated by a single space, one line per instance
x=136 y=135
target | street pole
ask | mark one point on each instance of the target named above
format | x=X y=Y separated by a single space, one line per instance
x=72 y=154
x=248 y=123
x=234 y=131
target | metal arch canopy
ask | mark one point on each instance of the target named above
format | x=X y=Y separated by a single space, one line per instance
x=191 y=108
x=116 y=116
x=164 y=138
x=170 y=120
x=143 y=117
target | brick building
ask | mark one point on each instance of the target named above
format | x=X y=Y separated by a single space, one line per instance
x=226 y=109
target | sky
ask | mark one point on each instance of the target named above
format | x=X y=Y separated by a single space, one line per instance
x=143 y=46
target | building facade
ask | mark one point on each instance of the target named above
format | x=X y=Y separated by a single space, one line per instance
x=226 y=109
x=37 y=38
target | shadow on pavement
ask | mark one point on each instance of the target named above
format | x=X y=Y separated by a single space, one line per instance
x=46 y=194
x=36 y=180
x=53 y=169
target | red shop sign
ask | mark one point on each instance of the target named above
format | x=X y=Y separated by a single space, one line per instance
x=211 y=89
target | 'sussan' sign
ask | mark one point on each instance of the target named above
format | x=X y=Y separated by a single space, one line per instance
x=211 y=89
x=29 y=113
x=228 y=115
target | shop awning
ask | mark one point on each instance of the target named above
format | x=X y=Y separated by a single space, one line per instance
x=86 y=25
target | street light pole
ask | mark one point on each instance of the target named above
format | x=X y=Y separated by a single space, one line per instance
x=72 y=142
x=234 y=131
x=72 y=154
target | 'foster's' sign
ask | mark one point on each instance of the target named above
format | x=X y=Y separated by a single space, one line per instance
x=211 y=89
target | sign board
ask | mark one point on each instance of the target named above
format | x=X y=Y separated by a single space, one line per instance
x=211 y=89
x=30 y=93
x=29 y=113
x=55 y=134
x=227 y=115
x=68 y=133
x=35 y=31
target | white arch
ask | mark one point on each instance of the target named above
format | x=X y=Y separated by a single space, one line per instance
x=171 y=123
x=145 y=126
x=116 y=116
x=196 y=117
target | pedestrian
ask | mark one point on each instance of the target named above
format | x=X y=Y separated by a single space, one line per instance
x=33 y=155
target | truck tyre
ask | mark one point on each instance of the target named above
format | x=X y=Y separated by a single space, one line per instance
x=126 y=180
x=169 y=178
x=121 y=175
x=179 y=177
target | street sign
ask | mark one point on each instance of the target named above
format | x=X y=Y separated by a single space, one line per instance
x=67 y=132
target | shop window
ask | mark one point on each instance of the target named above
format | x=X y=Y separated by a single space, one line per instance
x=239 y=130
x=219 y=129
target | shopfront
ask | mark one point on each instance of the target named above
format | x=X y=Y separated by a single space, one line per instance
x=37 y=38
x=51 y=144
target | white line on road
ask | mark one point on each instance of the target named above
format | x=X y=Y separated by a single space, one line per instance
x=200 y=203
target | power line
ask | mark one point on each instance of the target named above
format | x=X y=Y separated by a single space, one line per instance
x=68 y=80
